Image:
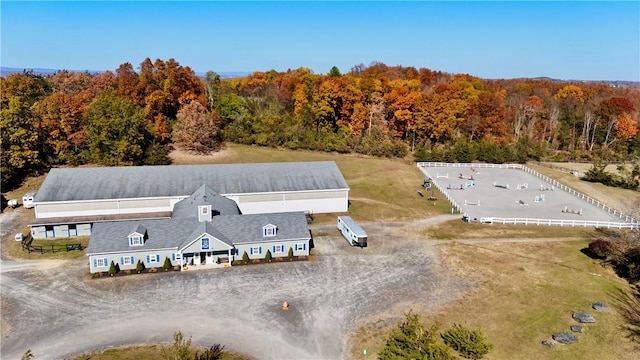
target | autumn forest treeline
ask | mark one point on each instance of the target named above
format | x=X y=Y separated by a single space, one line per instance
x=136 y=116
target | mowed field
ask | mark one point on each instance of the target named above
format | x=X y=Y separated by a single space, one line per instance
x=527 y=290
x=518 y=284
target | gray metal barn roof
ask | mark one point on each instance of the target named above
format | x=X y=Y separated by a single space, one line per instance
x=69 y=184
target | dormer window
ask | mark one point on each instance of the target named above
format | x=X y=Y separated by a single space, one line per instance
x=136 y=240
x=137 y=236
x=204 y=213
x=269 y=230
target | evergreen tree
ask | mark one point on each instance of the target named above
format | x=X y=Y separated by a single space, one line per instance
x=139 y=266
x=471 y=344
x=290 y=253
x=245 y=257
x=410 y=340
x=268 y=256
x=112 y=268
x=167 y=264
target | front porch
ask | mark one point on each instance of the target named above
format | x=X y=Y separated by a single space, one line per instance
x=206 y=260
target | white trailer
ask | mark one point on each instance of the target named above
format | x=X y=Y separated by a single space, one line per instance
x=27 y=200
x=351 y=231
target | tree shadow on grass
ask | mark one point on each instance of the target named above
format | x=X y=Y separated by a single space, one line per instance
x=628 y=305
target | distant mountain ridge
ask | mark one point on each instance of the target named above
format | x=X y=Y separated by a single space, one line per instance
x=6 y=71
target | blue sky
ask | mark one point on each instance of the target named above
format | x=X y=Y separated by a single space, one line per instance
x=565 y=40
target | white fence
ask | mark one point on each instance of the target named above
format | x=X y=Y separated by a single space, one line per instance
x=456 y=208
x=630 y=222
x=558 y=222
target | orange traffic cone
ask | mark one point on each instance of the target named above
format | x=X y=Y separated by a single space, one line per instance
x=285 y=306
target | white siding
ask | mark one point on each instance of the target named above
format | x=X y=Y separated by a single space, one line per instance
x=313 y=201
x=110 y=207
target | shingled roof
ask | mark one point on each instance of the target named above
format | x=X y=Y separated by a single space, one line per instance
x=111 y=237
x=220 y=205
x=76 y=184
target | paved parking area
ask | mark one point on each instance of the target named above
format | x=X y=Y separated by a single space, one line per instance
x=489 y=191
x=59 y=312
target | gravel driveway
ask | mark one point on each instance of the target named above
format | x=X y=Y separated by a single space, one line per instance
x=56 y=311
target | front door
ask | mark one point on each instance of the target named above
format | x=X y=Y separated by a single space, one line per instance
x=203 y=258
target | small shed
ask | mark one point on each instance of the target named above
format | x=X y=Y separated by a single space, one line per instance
x=351 y=231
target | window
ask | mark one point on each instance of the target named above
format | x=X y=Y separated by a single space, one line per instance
x=177 y=256
x=278 y=249
x=300 y=247
x=205 y=243
x=269 y=230
x=255 y=250
x=100 y=262
x=204 y=210
x=126 y=260
x=135 y=240
x=153 y=258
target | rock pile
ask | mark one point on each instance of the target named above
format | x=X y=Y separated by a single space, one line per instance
x=583 y=318
x=599 y=306
x=565 y=338
x=576 y=328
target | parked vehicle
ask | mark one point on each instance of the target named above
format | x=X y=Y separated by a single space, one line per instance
x=351 y=231
x=27 y=200
x=12 y=203
x=18 y=237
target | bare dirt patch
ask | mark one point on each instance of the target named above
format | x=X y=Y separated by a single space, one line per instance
x=5 y=327
x=330 y=298
x=181 y=157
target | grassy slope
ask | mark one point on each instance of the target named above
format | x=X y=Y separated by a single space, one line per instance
x=147 y=352
x=528 y=293
x=380 y=188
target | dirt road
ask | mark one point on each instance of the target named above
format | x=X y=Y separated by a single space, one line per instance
x=58 y=312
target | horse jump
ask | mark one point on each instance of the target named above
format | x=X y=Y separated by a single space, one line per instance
x=521 y=202
x=476 y=203
x=522 y=186
x=469 y=184
x=465 y=177
x=438 y=176
x=539 y=198
x=502 y=186
x=547 y=188
x=571 y=211
x=461 y=187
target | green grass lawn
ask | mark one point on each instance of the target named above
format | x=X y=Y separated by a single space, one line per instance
x=14 y=249
x=526 y=293
x=457 y=229
x=146 y=352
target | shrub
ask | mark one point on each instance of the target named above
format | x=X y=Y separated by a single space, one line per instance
x=112 y=268
x=411 y=340
x=600 y=248
x=139 y=266
x=471 y=344
x=180 y=350
x=167 y=264
x=268 y=256
x=245 y=257
x=290 y=253
x=215 y=352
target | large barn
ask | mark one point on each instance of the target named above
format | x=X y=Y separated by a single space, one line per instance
x=71 y=200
